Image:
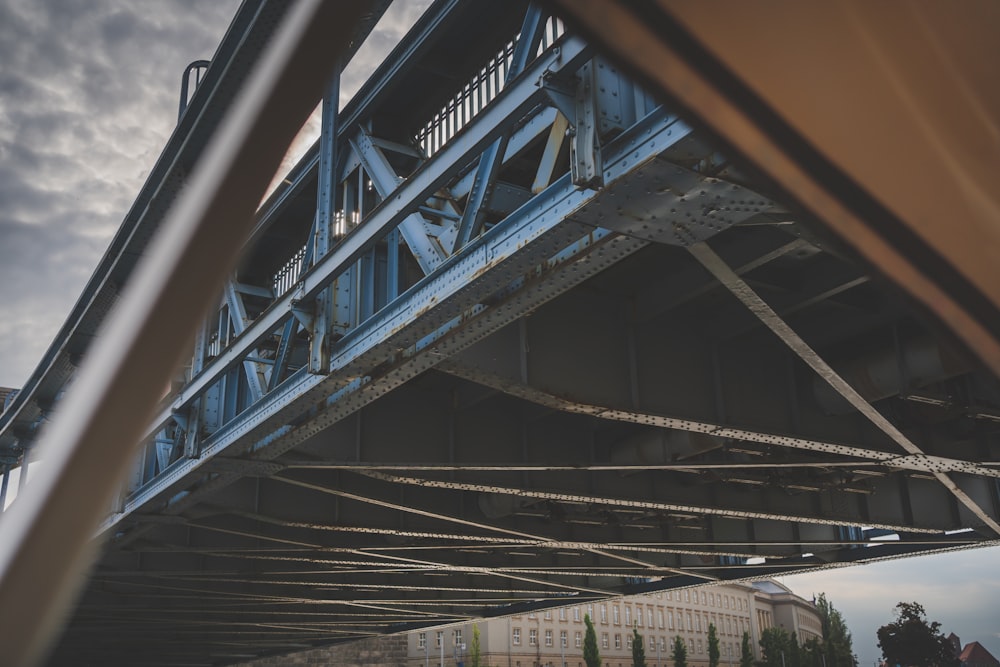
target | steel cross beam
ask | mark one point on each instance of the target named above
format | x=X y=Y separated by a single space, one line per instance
x=454 y=289
x=506 y=110
x=718 y=268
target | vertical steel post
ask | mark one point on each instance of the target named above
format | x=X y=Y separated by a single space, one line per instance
x=392 y=265
x=319 y=345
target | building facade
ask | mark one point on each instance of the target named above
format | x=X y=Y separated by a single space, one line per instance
x=554 y=637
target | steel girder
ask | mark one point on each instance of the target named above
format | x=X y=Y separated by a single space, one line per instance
x=568 y=407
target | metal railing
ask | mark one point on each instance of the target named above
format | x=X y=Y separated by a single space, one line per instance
x=477 y=93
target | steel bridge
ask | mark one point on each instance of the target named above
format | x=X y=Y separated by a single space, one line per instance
x=511 y=335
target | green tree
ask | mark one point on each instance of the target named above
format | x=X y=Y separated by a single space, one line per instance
x=811 y=654
x=774 y=646
x=794 y=652
x=590 y=654
x=713 y=646
x=837 y=644
x=638 y=650
x=910 y=640
x=746 y=652
x=679 y=653
x=474 y=650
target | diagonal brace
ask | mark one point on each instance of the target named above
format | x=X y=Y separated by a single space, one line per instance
x=489 y=164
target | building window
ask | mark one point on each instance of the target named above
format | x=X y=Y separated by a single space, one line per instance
x=638 y=616
x=670 y=619
x=659 y=618
x=703 y=601
x=562 y=639
x=562 y=613
x=727 y=602
x=604 y=640
x=614 y=615
x=548 y=614
x=458 y=637
x=576 y=614
x=697 y=623
x=729 y=627
x=711 y=600
x=690 y=624
x=670 y=595
x=516 y=636
x=699 y=646
x=532 y=637
x=618 y=641
x=628 y=642
x=604 y=613
x=578 y=639
x=422 y=640
x=652 y=643
x=718 y=600
x=531 y=614
x=590 y=610
x=548 y=638
x=628 y=617
x=687 y=596
x=440 y=638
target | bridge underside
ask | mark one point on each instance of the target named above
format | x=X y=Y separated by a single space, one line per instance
x=625 y=368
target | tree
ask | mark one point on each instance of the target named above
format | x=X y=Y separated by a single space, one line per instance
x=713 y=646
x=746 y=652
x=590 y=653
x=812 y=653
x=679 y=653
x=474 y=649
x=910 y=640
x=774 y=646
x=837 y=644
x=794 y=652
x=638 y=650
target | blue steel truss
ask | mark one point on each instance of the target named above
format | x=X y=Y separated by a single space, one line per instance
x=466 y=325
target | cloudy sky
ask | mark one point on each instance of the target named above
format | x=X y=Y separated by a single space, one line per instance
x=88 y=97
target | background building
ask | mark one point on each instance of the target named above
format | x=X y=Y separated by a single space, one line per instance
x=547 y=638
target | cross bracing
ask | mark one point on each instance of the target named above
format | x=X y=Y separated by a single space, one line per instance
x=511 y=335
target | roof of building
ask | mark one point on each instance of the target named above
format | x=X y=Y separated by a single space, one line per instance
x=772 y=587
x=977 y=654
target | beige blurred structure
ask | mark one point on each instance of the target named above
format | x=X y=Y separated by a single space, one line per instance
x=884 y=124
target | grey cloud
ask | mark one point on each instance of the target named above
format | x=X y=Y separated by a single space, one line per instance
x=88 y=95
